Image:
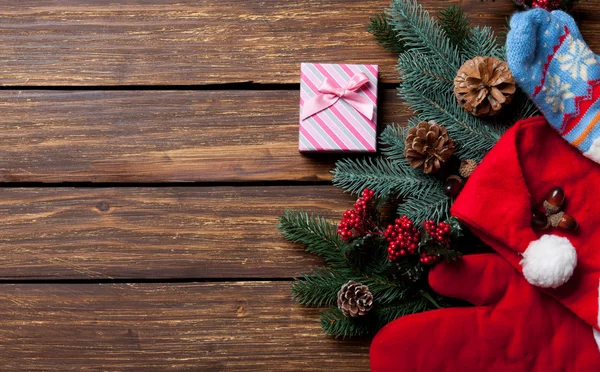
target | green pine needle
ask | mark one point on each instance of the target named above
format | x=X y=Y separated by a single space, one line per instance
x=320 y=288
x=483 y=42
x=386 y=314
x=430 y=54
x=421 y=33
x=384 y=177
x=385 y=34
x=334 y=323
x=455 y=24
x=435 y=206
x=317 y=234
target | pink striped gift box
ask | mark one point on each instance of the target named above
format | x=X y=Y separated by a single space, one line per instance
x=344 y=125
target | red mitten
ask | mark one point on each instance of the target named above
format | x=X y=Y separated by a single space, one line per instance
x=513 y=327
x=514 y=178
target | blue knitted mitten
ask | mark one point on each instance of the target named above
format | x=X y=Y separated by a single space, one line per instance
x=559 y=72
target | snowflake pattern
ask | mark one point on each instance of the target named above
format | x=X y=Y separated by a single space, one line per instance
x=557 y=92
x=577 y=59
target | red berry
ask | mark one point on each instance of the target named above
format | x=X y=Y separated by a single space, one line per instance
x=403 y=238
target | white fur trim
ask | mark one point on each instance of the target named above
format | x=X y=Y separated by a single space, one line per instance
x=549 y=261
x=594 y=151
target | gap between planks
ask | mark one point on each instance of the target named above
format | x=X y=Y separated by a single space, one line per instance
x=161 y=136
x=147 y=327
x=64 y=233
x=184 y=42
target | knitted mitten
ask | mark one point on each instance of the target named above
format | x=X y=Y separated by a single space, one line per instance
x=556 y=68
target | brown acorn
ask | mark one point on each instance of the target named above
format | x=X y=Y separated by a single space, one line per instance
x=568 y=223
x=563 y=221
x=453 y=186
x=554 y=200
x=539 y=220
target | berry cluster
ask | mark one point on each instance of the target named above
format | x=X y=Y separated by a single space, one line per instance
x=357 y=221
x=549 y=5
x=441 y=234
x=403 y=238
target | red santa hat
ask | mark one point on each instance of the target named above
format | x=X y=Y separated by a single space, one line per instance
x=514 y=179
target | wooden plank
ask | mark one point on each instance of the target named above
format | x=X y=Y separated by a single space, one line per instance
x=100 y=42
x=181 y=232
x=147 y=327
x=159 y=136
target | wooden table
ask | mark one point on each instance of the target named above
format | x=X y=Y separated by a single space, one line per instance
x=147 y=148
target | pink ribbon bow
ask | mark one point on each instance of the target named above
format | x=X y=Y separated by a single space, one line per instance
x=332 y=93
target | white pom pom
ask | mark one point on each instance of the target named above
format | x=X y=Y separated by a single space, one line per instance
x=549 y=261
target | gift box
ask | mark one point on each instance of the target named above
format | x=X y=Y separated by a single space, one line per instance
x=338 y=107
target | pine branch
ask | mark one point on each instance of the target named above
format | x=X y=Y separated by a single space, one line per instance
x=483 y=42
x=384 y=290
x=421 y=33
x=447 y=254
x=386 y=314
x=384 y=177
x=432 y=100
x=385 y=34
x=320 y=288
x=317 y=234
x=368 y=254
x=455 y=24
x=435 y=206
x=392 y=141
x=334 y=323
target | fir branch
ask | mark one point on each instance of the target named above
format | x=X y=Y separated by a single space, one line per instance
x=426 y=71
x=421 y=33
x=435 y=206
x=385 y=34
x=368 y=254
x=392 y=141
x=317 y=234
x=320 y=288
x=483 y=42
x=384 y=290
x=431 y=99
x=447 y=254
x=386 y=314
x=384 y=177
x=455 y=24
x=334 y=323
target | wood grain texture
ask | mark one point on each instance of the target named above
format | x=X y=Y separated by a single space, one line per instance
x=160 y=136
x=147 y=327
x=103 y=42
x=182 y=232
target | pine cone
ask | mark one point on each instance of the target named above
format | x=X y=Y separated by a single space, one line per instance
x=428 y=146
x=484 y=85
x=467 y=167
x=354 y=299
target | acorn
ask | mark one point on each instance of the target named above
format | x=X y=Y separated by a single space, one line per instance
x=554 y=200
x=539 y=220
x=453 y=185
x=568 y=223
x=563 y=221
